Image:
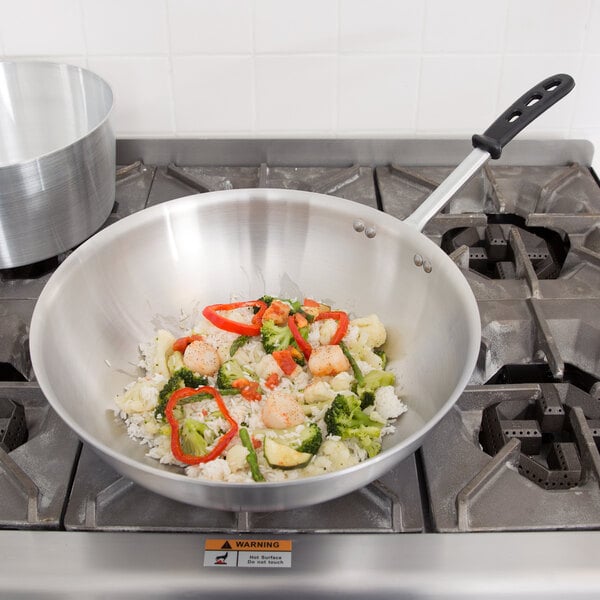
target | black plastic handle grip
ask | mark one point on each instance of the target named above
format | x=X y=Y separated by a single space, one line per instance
x=522 y=112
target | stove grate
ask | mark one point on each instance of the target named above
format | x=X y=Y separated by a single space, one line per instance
x=13 y=428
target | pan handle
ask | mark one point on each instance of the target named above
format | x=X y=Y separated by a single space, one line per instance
x=513 y=120
x=522 y=112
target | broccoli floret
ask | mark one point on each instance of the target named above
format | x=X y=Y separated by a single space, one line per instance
x=370 y=383
x=368 y=438
x=295 y=305
x=192 y=437
x=267 y=300
x=229 y=372
x=345 y=418
x=275 y=337
x=310 y=439
x=183 y=377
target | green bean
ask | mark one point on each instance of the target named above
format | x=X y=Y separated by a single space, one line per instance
x=251 y=457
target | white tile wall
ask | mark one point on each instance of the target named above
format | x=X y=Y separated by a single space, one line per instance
x=291 y=68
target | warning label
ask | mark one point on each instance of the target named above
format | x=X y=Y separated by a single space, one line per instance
x=247 y=553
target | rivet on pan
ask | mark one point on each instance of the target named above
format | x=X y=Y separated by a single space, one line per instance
x=358 y=226
x=370 y=232
x=418 y=260
x=427 y=266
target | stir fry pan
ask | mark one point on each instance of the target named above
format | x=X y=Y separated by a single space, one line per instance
x=161 y=266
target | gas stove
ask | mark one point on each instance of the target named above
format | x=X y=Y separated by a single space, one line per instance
x=502 y=498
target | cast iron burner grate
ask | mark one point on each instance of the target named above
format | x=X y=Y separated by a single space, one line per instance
x=13 y=428
x=541 y=373
x=353 y=182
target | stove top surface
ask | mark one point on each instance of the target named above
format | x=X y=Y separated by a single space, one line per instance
x=519 y=451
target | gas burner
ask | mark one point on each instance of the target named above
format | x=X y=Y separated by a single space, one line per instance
x=491 y=253
x=516 y=448
x=546 y=457
x=549 y=431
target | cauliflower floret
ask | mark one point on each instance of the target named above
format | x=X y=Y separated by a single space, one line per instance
x=160 y=351
x=338 y=453
x=140 y=396
x=267 y=366
x=249 y=354
x=236 y=457
x=387 y=403
x=371 y=331
x=333 y=455
x=314 y=332
x=318 y=391
x=367 y=355
x=341 y=382
x=327 y=331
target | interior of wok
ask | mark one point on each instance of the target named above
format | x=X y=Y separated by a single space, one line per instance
x=160 y=268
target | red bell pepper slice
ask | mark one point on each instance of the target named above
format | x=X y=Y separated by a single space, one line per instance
x=182 y=343
x=212 y=314
x=304 y=346
x=272 y=381
x=223 y=441
x=310 y=302
x=250 y=390
x=285 y=360
x=343 y=321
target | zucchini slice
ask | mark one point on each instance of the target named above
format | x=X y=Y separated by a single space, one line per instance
x=281 y=456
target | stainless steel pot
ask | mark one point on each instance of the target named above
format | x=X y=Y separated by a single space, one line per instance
x=57 y=159
x=173 y=259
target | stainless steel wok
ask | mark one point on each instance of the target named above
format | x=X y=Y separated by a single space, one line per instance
x=161 y=266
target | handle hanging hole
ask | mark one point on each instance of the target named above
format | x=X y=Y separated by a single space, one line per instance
x=550 y=87
x=514 y=116
x=534 y=100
